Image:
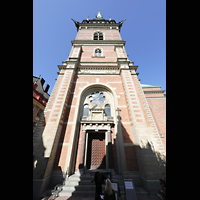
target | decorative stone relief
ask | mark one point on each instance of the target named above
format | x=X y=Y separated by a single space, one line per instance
x=98 y=70
x=96 y=102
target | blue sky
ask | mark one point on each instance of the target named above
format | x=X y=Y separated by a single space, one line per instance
x=144 y=32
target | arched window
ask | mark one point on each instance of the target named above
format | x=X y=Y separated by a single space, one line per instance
x=107 y=110
x=86 y=110
x=98 y=52
x=98 y=36
x=95 y=36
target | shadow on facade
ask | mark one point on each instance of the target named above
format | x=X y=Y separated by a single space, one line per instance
x=144 y=159
x=39 y=161
x=57 y=176
x=149 y=164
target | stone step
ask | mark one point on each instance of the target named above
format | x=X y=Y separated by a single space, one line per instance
x=77 y=193
x=82 y=182
x=85 y=187
x=140 y=191
x=81 y=185
x=80 y=188
x=89 y=181
x=89 y=192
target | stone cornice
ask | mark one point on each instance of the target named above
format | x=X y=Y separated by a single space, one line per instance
x=153 y=91
x=98 y=24
x=162 y=97
x=133 y=67
x=97 y=125
x=98 y=63
x=117 y=42
x=98 y=67
x=98 y=70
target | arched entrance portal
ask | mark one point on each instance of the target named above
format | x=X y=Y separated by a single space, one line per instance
x=97 y=114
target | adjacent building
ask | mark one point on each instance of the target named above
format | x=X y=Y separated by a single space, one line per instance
x=40 y=99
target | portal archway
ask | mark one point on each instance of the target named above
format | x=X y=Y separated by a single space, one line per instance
x=97 y=118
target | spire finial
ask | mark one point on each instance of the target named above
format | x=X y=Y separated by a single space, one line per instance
x=99 y=15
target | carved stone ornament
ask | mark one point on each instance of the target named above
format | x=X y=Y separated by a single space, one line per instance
x=98 y=70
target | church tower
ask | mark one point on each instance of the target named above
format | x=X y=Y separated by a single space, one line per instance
x=97 y=116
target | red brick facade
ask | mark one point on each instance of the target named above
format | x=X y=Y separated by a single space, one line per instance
x=157 y=103
x=126 y=140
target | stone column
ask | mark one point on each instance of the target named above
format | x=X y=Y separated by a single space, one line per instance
x=51 y=133
x=109 y=152
x=81 y=149
x=45 y=150
x=86 y=148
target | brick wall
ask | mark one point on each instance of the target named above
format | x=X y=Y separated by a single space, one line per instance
x=115 y=83
x=108 y=54
x=158 y=109
x=131 y=160
x=85 y=34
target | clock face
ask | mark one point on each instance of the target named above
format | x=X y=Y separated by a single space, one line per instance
x=97 y=98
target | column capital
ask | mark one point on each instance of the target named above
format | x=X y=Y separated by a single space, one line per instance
x=84 y=128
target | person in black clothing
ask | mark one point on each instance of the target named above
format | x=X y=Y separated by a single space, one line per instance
x=99 y=179
x=163 y=188
x=162 y=192
x=109 y=193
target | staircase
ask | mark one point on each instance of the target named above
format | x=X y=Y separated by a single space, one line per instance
x=80 y=185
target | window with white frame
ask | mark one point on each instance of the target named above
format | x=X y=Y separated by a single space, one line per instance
x=98 y=36
x=107 y=110
x=86 y=110
x=98 y=52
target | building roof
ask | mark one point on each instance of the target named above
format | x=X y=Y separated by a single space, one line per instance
x=149 y=86
x=40 y=82
x=98 y=21
x=152 y=89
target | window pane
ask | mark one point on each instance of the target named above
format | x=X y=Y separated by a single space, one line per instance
x=86 y=110
x=100 y=36
x=97 y=52
x=107 y=110
x=97 y=98
x=95 y=36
